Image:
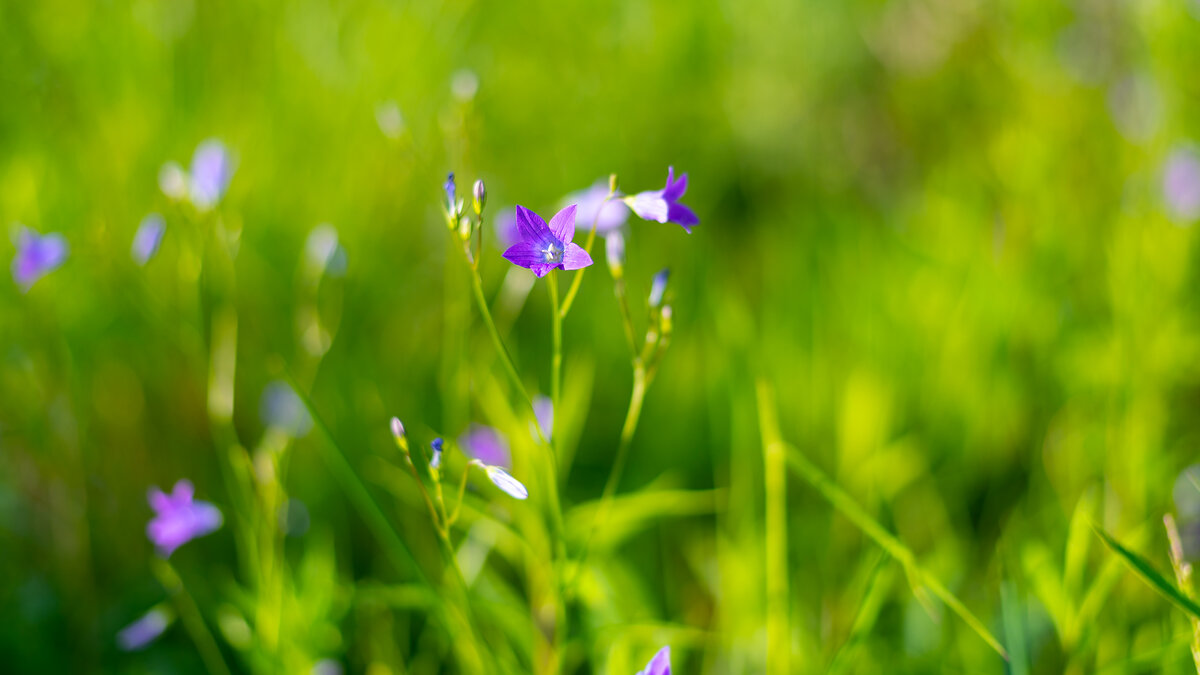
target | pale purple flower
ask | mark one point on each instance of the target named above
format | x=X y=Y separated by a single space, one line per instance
x=507 y=232
x=397 y=428
x=212 y=169
x=546 y=247
x=173 y=181
x=543 y=410
x=479 y=194
x=1181 y=184
x=146 y=629
x=37 y=255
x=148 y=238
x=660 y=664
x=663 y=205
x=178 y=518
x=658 y=287
x=486 y=445
x=281 y=408
x=436 y=460
x=589 y=202
x=614 y=248
x=505 y=481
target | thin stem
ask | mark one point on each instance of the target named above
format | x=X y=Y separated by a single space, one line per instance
x=556 y=335
x=433 y=513
x=614 y=477
x=505 y=358
x=193 y=621
x=578 y=280
x=462 y=490
x=626 y=317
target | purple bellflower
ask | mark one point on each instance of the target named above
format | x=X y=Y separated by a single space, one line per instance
x=660 y=664
x=663 y=205
x=139 y=634
x=486 y=445
x=37 y=255
x=590 y=202
x=546 y=247
x=148 y=238
x=212 y=169
x=179 y=519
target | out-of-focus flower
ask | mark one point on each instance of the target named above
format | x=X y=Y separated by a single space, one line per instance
x=543 y=410
x=546 y=247
x=397 y=428
x=1181 y=185
x=486 y=445
x=173 y=181
x=139 y=634
x=178 y=518
x=502 y=479
x=658 y=287
x=660 y=664
x=281 y=408
x=663 y=205
x=479 y=193
x=37 y=255
x=435 y=461
x=389 y=119
x=212 y=169
x=148 y=238
x=614 y=248
x=464 y=84
x=590 y=202
x=323 y=252
x=507 y=232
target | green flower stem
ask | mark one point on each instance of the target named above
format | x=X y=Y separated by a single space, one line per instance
x=591 y=241
x=556 y=335
x=189 y=613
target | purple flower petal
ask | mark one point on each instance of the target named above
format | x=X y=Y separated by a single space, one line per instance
x=148 y=238
x=650 y=206
x=660 y=664
x=37 y=255
x=212 y=169
x=663 y=205
x=575 y=258
x=531 y=225
x=485 y=444
x=542 y=270
x=678 y=213
x=1181 y=185
x=524 y=254
x=674 y=188
x=178 y=518
x=612 y=214
x=504 y=480
x=145 y=630
x=562 y=225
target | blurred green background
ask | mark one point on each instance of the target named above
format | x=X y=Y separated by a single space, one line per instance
x=944 y=231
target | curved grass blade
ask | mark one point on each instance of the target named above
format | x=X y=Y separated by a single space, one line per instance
x=1146 y=571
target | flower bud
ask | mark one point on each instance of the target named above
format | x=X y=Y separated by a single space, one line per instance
x=479 y=191
x=658 y=287
x=398 y=434
x=614 y=248
x=505 y=481
x=464 y=228
x=451 y=199
x=667 y=323
x=436 y=460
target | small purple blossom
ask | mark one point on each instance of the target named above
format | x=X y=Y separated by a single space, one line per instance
x=546 y=247
x=148 y=238
x=1181 y=185
x=37 y=255
x=212 y=170
x=178 y=518
x=663 y=205
x=139 y=634
x=590 y=202
x=486 y=445
x=658 y=287
x=451 y=194
x=660 y=664
x=543 y=410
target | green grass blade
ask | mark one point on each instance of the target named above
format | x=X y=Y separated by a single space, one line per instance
x=776 y=541
x=845 y=504
x=1146 y=571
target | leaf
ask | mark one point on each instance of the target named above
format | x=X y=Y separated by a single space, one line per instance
x=1146 y=571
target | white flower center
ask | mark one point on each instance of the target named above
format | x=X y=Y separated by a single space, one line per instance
x=552 y=254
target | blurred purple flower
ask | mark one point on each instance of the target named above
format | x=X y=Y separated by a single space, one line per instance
x=614 y=248
x=543 y=410
x=212 y=169
x=37 y=255
x=507 y=232
x=451 y=194
x=148 y=238
x=546 y=247
x=145 y=630
x=658 y=287
x=660 y=664
x=282 y=409
x=1181 y=184
x=663 y=205
x=436 y=460
x=486 y=445
x=178 y=519
x=589 y=202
